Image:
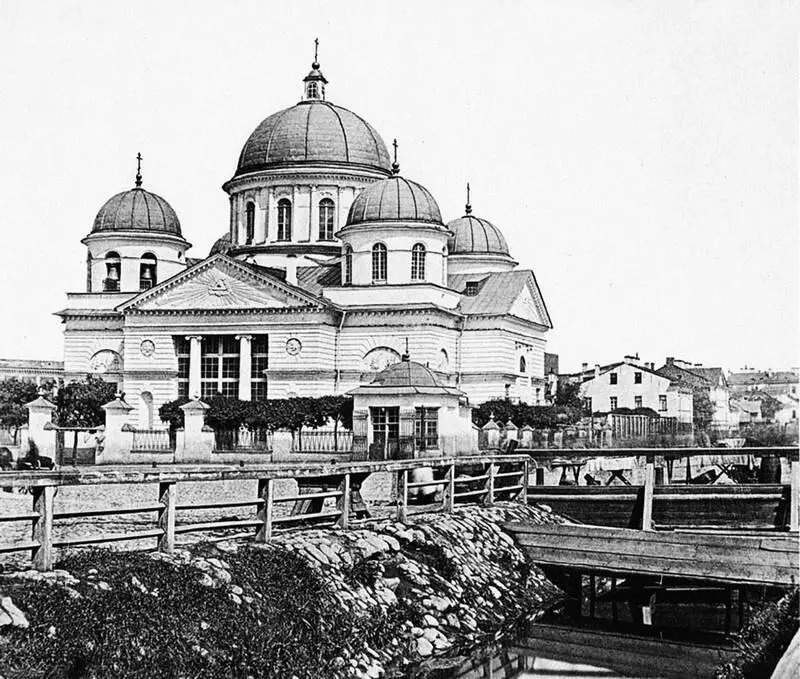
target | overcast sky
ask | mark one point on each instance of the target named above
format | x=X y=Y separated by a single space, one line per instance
x=641 y=157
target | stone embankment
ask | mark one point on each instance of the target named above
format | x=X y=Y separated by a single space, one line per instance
x=421 y=592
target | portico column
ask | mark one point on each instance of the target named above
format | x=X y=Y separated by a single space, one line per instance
x=195 y=360
x=245 y=365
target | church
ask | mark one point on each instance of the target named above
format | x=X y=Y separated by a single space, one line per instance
x=333 y=266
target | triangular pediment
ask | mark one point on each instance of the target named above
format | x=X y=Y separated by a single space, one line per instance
x=221 y=283
x=530 y=305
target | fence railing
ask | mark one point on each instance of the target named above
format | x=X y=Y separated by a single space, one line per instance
x=9 y=436
x=153 y=441
x=323 y=441
x=473 y=479
x=243 y=440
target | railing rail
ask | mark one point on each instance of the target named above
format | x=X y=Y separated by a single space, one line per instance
x=152 y=440
x=340 y=482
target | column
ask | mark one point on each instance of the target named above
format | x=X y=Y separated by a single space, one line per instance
x=195 y=360
x=262 y=210
x=295 y=214
x=245 y=365
x=271 y=215
x=313 y=234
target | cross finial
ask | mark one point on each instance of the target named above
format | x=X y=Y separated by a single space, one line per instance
x=395 y=165
x=316 y=53
x=468 y=207
x=138 y=170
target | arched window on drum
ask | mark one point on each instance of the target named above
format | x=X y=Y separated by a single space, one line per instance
x=113 y=272
x=284 y=219
x=379 y=263
x=348 y=265
x=148 y=271
x=250 y=222
x=418 y=262
x=326 y=219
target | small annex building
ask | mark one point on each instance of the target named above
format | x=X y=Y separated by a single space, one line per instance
x=406 y=412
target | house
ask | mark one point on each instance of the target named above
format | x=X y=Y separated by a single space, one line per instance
x=633 y=384
x=711 y=380
x=774 y=383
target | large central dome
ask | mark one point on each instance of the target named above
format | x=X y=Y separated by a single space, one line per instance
x=313 y=131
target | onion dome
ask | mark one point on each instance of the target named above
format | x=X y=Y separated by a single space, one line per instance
x=395 y=199
x=137 y=210
x=473 y=235
x=221 y=246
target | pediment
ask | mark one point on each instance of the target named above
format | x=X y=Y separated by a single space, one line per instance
x=220 y=283
x=529 y=305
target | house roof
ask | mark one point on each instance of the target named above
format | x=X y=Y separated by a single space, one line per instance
x=694 y=376
x=754 y=377
x=314 y=278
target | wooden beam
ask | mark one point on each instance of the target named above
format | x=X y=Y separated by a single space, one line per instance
x=167 y=496
x=42 y=533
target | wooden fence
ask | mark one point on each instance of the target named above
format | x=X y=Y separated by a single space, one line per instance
x=463 y=479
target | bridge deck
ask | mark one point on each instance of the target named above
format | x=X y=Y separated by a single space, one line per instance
x=738 y=559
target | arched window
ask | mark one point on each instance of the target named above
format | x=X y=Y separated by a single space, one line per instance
x=378 y=262
x=326 y=219
x=348 y=265
x=250 y=222
x=284 y=219
x=147 y=271
x=311 y=90
x=113 y=272
x=418 y=262
x=522 y=364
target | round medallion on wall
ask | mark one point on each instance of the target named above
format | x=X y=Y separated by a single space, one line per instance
x=293 y=346
x=147 y=348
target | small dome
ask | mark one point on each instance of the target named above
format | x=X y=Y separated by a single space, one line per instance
x=395 y=199
x=473 y=235
x=407 y=374
x=221 y=246
x=137 y=210
x=313 y=131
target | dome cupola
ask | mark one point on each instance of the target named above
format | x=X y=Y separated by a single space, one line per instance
x=476 y=245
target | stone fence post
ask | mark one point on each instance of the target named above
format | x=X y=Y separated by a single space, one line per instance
x=512 y=431
x=197 y=442
x=491 y=432
x=113 y=444
x=526 y=436
x=40 y=428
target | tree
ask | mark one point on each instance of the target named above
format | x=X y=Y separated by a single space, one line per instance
x=80 y=404
x=702 y=407
x=568 y=394
x=14 y=395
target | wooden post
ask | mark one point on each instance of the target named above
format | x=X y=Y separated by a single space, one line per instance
x=649 y=481
x=539 y=476
x=266 y=492
x=523 y=495
x=490 y=485
x=42 y=556
x=794 y=497
x=450 y=498
x=402 y=495
x=344 y=519
x=167 y=494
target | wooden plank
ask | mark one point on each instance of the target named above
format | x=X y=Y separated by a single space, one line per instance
x=216 y=525
x=649 y=483
x=451 y=489
x=42 y=528
x=103 y=539
x=298 y=518
x=141 y=509
x=220 y=505
x=344 y=503
x=308 y=496
x=266 y=493
x=18 y=547
x=27 y=516
x=402 y=495
x=167 y=496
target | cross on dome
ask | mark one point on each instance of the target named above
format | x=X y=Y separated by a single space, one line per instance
x=138 y=170
x=395 y=164
x=468 y=207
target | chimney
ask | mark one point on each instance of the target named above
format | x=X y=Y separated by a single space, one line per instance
x=291 y=269
x=670 y=360
x=597 y=370
x=584 y=367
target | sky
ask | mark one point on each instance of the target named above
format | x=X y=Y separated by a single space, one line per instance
x=641 y=157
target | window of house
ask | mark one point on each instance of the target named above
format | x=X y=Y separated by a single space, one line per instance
x=637 y=401
x=284 y=219
x=612 y=378
x=613 y=403
x=378 y=262
x=219 y=366
x=250 y=222
x=522 y=364
x=637 y=378
x=326 y=214
x=472 y=289
x=259 y=348
x=147 y=271
x=385 y=429
x=662 y=403
x=587 y=404
x=418 y=262
x=113 y=272
x=426 y=428
x=348 y=265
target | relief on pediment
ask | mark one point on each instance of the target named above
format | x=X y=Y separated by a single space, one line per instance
x=217 y=289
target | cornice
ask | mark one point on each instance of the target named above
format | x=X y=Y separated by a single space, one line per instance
x=308 y=175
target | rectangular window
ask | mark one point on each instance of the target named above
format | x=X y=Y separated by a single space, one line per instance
x=259 y=364
x=182 y=353
x=613 y=403
x=612 y=378
x=637 y=378
x=662 y=403
x=426 y=428
x=219 y=366
x=637 y=401
x=386 y=429
x=472 y=289
x=587 y=404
